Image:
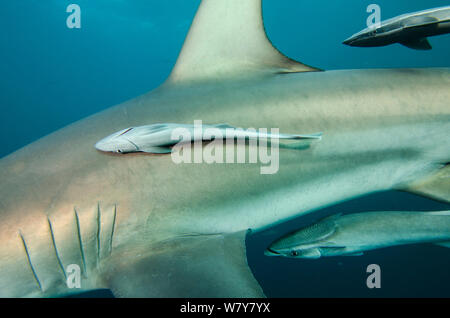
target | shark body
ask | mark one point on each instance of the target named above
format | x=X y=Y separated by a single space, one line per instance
x=353 y=234
x=145 y=227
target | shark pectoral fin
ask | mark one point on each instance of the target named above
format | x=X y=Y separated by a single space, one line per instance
x=156 y=150
x=436 y=186
x=226 y=40
x=418 y=44
x=443 y=244
x=189 y=266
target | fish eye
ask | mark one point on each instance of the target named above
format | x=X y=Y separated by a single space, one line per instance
x=294 y=253
x=119 y=151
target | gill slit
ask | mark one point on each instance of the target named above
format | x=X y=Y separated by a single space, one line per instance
x=99 y=228
x=83 y=258
x=58 y=257
x=29 y=262
x=112 y=229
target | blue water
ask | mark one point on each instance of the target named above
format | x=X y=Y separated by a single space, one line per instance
x=51 y=76
x=420 y=270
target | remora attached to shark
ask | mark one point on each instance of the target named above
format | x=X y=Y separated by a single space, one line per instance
x=159 y=138
x=411 y=30
x=353 y=234
x=146 y=228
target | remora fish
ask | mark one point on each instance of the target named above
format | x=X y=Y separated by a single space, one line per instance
x=158 y=138
x=411 y=30
x=353 y=234
x=151 y=228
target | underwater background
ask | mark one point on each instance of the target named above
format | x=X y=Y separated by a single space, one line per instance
x=51 y=76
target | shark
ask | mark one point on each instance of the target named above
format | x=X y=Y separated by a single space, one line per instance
x=353 y=234
x=142 y=226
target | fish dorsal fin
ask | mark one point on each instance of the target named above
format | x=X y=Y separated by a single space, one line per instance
x=227 y=39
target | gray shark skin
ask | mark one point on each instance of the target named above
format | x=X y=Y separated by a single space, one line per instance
x=144 y=226
x=353 y=234
x=411 y=30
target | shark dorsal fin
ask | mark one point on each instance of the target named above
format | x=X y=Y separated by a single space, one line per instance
x=227 y=39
